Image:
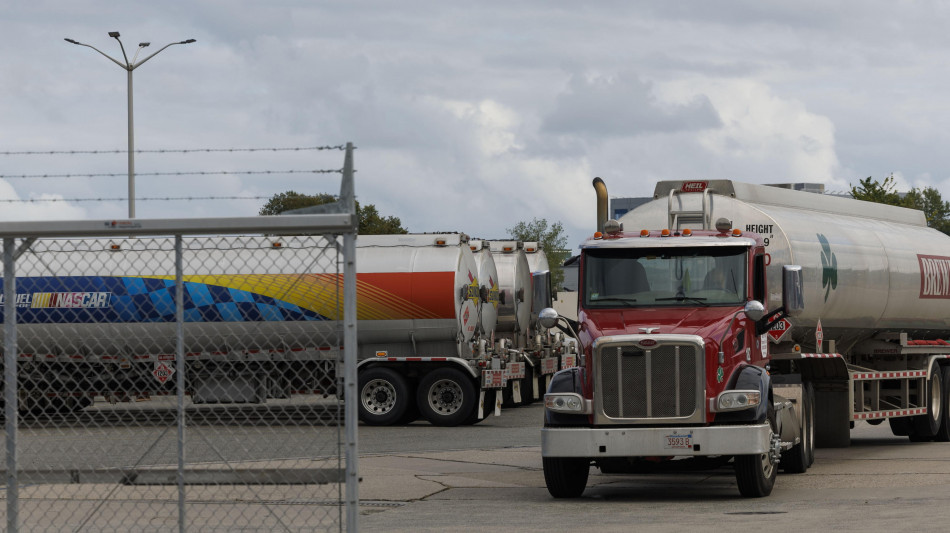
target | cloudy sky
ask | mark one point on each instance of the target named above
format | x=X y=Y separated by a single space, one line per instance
x=467 y=116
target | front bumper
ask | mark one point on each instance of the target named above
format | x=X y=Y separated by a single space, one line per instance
x=652 y=442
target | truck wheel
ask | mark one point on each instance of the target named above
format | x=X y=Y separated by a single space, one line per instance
x=800 y=457
x=491 y=395
x=902 y=426
x=926 y=425
x=755 y=474
x=446 y=397
x=384 y=396
x=943 y=432
x=566 y=477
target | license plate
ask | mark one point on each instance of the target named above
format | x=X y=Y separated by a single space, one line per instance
x=679 y=442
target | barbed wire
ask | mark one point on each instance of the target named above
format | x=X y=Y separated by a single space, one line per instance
x=176 y=173
x=176 y=150
x=164 y=199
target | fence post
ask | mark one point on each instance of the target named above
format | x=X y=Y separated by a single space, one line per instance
x=180 y=378
x=351 y=394
x=9 y=380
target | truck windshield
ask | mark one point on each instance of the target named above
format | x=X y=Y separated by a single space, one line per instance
x=635 y=277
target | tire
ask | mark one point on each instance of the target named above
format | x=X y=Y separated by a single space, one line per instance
x=926 y=425
x=489 y=408
x=755 y=474
x=384 y=396
x=802 y=455
x=447 y=397
x=566 y=477
x=943 y=432
x=901 y=427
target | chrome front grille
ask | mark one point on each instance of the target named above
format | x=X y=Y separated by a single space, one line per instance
x=650 y=384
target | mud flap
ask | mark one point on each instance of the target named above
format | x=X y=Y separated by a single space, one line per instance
x=498 y=401
x=481 y=404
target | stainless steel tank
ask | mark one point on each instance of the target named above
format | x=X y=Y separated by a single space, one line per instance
x=868 y=267
x=488 y=279
x=514 y=282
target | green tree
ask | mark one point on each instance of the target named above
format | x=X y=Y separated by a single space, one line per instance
x=370 y=221
x=928 y=200
x=551 y=239
x=871 y=190
x=934 y=207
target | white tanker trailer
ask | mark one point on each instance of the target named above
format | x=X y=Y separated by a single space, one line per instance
x=544 y=294
x=749 y=322
x=97 y=319
x=877 y=301
x=530 y=344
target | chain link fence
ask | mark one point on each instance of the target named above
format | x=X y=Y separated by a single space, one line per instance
x=154 y=383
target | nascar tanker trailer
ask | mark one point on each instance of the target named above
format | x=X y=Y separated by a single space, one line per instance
x=97 y=320
x=749 y=323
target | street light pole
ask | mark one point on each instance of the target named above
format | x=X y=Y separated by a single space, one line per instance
x=129 y=66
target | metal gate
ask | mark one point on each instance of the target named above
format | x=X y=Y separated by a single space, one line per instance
x=181 y=374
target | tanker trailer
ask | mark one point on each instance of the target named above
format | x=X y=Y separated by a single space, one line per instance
x=680 y=301
x=488 y=317
x=870 y=341
x=97 y=319
x=561 y=345
x=514 y=314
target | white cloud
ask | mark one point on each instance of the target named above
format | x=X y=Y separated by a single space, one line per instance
x=41 y=207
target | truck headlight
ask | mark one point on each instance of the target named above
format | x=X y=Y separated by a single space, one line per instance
x=736 y=400
x=566 y=402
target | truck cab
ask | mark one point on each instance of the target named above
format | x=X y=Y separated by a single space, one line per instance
x=675 y=360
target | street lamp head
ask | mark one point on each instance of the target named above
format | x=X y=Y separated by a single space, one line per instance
x=143 y=45
x=68 y=40
x=189 y=41
x=114 y=34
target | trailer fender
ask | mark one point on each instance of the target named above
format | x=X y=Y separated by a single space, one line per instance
x=749 y=378
x=567 y=380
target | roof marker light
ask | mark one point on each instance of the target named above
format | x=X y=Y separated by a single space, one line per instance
x=737 y=232
x=665 y=233
x=644 y=233
x=687 y=232
x=598 y=235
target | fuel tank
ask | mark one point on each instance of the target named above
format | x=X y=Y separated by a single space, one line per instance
x=514 y=282
x=868 y=268
x=489 y=290
x=100 y=296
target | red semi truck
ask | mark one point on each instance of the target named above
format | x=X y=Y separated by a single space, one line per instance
x=728 y=322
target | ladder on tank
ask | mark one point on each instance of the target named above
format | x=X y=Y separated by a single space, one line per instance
x=677 y=217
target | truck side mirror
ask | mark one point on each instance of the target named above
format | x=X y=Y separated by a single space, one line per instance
x=793 y=290
x=547 y=318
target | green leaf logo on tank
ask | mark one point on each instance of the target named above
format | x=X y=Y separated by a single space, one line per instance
x=829 y=266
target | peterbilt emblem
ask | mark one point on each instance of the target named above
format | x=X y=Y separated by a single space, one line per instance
x=647 y=342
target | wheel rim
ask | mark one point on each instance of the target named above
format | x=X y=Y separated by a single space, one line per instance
x=935 y=397
x=445 y=397
x=378 y=396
